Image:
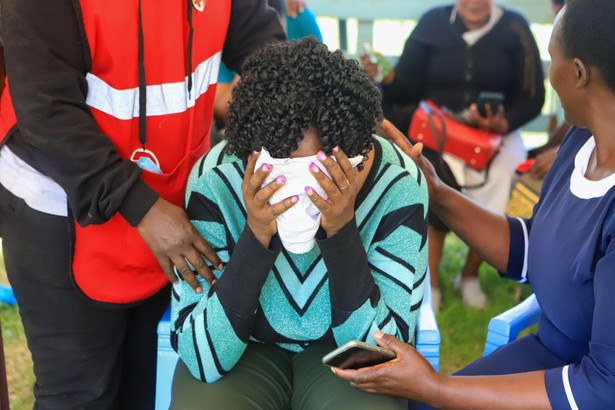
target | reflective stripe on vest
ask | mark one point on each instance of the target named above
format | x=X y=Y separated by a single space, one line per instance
x=111 y=263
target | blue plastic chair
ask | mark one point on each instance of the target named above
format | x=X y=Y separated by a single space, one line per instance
x=427 y=340
x=505 y=327
x=6 y=295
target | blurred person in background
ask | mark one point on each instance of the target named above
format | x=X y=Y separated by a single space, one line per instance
x=453 y=54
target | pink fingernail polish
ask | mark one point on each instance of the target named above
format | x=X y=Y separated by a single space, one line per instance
x=321 y=156
x=336 y=148
x=308 y=190
x=281 y=179
x=199 y=289
x=295 y=198
x=314 y=167
x=255 y=152
x=266 y=167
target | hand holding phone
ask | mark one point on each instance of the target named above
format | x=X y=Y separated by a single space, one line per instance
x=492 y=98
x=379 y=60
x=356 y=354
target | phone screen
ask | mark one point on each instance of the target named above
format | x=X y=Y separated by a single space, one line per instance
x=493 y=99
x=356 y=357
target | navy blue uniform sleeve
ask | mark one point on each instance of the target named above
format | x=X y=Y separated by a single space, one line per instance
x=516 y=268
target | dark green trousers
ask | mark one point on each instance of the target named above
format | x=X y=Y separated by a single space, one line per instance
x=269 y=378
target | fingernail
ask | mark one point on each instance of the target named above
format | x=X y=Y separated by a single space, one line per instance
x=295 y=198
x=255 y=152
x=308 y=190
x=378 y=335
x=213 y=282
x=266 y=167
x=321 y=156
x=333 y=370
x=281 y=179
x=336 y=148
x=220 y=266
x=314 y=167
x=199 y=289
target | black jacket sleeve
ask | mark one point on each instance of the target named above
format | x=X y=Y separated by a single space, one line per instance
x=408 y=85
x=528 y=94
x=47 y=57
x=253 y=24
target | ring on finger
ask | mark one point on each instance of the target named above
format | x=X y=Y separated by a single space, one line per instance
x=345 y=186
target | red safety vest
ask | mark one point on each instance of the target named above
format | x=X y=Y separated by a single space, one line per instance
x=111 y=263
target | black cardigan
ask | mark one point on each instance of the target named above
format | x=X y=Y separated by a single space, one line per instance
x=437 y=64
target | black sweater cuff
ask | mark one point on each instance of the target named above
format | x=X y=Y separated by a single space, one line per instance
x=350 y=279
x=240 y=286
x=137 y=202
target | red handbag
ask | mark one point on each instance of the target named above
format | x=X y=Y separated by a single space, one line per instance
x=439 y=132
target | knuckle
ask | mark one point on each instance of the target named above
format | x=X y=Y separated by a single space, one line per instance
x=199 y=263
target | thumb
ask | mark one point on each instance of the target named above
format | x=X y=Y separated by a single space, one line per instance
x=417 y=153
x=388 y=341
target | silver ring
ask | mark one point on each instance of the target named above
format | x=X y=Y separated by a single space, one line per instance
x=345 y=186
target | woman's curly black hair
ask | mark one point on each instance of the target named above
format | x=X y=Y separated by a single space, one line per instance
x=289 y=87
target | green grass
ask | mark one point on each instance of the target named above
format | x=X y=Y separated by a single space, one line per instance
x=16 y=354
x=463 y=329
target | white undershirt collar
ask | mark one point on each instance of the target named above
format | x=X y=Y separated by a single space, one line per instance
x=585 y=188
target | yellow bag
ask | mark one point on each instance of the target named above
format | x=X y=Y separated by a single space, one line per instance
x=523 y=196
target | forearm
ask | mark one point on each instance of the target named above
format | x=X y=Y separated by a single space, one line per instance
x=486 y=232
x=240 y=285
x=514 y=391
x=350 y=279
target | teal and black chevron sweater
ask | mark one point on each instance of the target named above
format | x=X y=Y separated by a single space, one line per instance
x=367 y=277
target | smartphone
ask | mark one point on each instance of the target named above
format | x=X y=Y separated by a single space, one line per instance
x=356 y=354
x=493 y=99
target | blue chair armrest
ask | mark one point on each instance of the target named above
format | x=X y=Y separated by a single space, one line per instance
x=427 y=333
x=166 y=361
x=505 y=327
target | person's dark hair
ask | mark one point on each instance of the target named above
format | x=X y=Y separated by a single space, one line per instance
x=588 y=33
x=289 y=87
